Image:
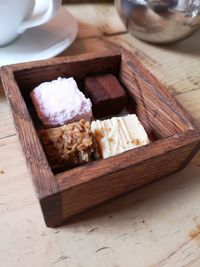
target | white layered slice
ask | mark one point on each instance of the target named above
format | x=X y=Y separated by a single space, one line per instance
x=119 y=134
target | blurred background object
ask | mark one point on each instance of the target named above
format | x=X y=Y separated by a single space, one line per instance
x=87 y=1
x=160 y=21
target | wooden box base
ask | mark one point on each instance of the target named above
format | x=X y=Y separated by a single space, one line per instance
x=63 y=195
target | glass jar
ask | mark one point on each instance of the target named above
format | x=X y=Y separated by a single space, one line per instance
x=160 y=21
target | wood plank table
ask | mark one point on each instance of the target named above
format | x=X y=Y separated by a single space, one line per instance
x=157 y=225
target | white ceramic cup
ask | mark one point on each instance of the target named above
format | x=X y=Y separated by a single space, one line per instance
x=16 y=16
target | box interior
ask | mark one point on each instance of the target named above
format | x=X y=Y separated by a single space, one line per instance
x=158 y=116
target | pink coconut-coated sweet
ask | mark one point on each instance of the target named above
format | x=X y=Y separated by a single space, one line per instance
x=60 y=102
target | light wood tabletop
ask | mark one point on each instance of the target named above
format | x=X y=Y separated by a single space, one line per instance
x=156 y=225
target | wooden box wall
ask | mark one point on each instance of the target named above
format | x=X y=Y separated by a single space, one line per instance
x=66 y=194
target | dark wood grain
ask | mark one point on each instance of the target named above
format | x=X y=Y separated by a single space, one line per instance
x=43 y=179
x=65 y=194
x=29 y=75
x=98 y=190
x=156 y=107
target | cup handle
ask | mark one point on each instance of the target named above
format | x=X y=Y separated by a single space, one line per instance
x=51 y=11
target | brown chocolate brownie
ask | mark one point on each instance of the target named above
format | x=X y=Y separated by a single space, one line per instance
x=106 y=93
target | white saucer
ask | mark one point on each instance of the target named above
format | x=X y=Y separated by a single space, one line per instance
x=42 y=42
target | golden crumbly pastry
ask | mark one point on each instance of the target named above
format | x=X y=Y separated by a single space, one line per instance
x=69 y=145
x=118 y=134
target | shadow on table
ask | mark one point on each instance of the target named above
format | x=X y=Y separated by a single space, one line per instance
x=141 y=204
x=90 y=40
x=188 y=46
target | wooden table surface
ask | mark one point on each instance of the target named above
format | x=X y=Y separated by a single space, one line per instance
x=157 y=225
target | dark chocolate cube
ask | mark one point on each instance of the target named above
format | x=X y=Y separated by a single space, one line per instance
x=106 y=93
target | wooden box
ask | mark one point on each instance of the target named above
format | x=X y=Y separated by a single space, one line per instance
x=62 y=195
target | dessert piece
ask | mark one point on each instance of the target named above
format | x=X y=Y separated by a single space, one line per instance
x=106 y=93
x=69 y=145
x=60 y=102
x=118 y=134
